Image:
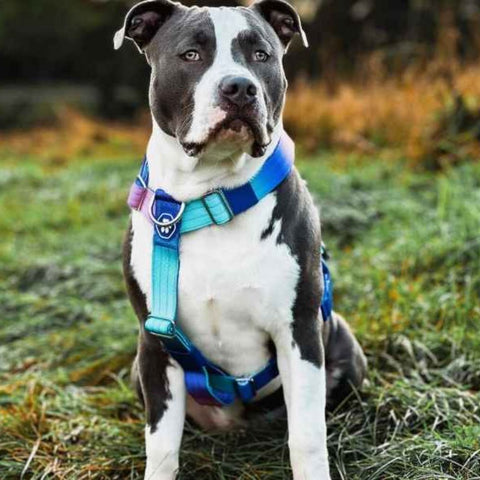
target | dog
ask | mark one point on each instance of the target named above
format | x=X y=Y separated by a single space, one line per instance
x=251 y=288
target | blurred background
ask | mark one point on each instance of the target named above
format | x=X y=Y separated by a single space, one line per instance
x=384 y=108
x=368 y=63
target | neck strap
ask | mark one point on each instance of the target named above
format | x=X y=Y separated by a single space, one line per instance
x=221 y=205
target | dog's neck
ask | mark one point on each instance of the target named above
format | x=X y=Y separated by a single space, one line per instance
x=186 y=178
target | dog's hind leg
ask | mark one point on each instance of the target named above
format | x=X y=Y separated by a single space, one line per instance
x=346 y=365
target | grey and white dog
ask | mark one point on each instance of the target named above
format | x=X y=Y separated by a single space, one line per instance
x=253 y=286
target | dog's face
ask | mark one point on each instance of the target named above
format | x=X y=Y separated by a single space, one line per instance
x=217 y=81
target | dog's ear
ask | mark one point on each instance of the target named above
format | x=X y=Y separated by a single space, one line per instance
x=143 y=21
x=283 y=18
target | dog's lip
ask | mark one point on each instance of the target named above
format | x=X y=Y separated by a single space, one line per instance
x=235 y=123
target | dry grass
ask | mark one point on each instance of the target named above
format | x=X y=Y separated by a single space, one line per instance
x=429 y=112
x=77 y=135
x=406 y=114
x=409 y=288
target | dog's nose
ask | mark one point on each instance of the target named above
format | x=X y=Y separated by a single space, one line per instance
x=238 y=90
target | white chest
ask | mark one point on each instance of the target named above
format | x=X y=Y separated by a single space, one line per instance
x=234 y=287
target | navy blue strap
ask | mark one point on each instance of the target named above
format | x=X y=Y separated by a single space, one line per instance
x=327 y=299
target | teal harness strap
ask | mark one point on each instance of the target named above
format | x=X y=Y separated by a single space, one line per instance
x=165 y=268
x=212 y=209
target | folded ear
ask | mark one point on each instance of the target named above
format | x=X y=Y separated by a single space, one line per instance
x=143 y=21
x=283 y=18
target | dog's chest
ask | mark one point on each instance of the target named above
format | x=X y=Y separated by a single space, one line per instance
x=235 y=288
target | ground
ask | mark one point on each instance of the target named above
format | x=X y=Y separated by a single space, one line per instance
x=405 y=258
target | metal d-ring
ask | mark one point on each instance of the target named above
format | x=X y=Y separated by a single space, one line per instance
x=165 y=223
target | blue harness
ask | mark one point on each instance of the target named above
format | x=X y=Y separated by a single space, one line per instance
x=206 y=382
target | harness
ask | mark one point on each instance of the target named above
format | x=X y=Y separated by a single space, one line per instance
x=206 y=382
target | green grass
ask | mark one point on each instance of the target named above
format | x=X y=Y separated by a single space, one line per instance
x=406 y=264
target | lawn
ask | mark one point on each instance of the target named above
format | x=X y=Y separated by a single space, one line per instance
x=405 y=252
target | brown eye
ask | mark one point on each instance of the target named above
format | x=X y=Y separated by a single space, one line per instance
x=191 y=56
x=261 y=56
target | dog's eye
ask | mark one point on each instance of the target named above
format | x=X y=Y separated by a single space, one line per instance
x=191 y=56
x=261 y=56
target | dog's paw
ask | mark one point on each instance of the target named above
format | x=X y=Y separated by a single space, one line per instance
x=161 y=469
x=309 y=464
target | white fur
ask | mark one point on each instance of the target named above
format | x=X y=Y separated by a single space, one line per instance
x=228 y=23
x=234 y=288
x=163 y=445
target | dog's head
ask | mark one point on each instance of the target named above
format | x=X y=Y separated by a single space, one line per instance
x=217 y=80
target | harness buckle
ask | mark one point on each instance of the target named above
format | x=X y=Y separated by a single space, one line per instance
x=224 y=201
x=246 y=388
x=160 y=327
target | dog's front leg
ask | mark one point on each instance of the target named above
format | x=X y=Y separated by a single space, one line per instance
x=163 y=390
x=302 y=370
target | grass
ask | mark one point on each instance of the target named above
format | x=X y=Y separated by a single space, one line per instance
x=406 y=265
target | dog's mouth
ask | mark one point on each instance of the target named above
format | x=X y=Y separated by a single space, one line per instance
x=240 y=131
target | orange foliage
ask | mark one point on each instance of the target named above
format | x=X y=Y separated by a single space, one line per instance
x=399 y=113
x=76 y=135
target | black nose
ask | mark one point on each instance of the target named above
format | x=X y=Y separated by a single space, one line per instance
x=238 y=90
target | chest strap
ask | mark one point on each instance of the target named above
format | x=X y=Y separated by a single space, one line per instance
x=205 y=381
